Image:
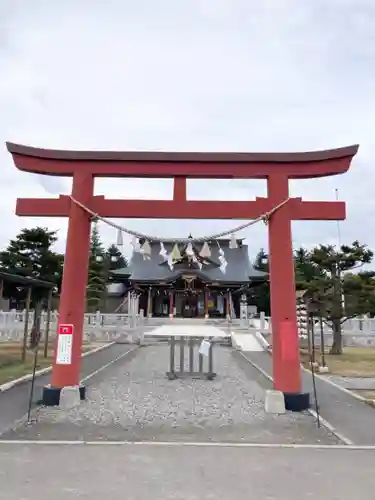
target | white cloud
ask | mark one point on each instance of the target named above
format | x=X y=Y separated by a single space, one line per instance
x=275 y=75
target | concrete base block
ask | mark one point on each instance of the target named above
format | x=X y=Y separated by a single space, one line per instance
x=69 y=397
x=323 y=369
x=51 y=395
x=275 y=402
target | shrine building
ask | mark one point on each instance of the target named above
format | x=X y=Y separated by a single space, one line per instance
x=194 y=285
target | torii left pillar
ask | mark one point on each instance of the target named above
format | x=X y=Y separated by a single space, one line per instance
x=73 y=291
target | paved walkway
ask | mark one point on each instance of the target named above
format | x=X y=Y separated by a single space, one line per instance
x=14 y=402
x=352 y=418
x=356 y=383
x=146 y=472
x=134 y=401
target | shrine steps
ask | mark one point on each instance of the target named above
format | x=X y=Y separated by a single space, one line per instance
x=247 y=340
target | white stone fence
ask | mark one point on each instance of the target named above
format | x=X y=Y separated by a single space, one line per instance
x=354 y=326
x=355 y=332
x=113 y=326
x=97 y=326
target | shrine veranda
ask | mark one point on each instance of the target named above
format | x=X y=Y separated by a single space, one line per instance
x=277 y=210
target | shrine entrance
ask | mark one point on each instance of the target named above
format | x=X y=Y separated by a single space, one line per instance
x=189 y=306
x=277 y=211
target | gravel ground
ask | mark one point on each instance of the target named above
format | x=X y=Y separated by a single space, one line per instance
x=14 y=403
x=135 y=401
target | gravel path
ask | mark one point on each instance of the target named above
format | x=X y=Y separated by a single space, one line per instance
x=135 y=401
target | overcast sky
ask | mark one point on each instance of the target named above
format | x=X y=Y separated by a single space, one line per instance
x=190 y=75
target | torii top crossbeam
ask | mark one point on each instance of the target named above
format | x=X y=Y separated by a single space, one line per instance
x=194 y=165
x=181 y=166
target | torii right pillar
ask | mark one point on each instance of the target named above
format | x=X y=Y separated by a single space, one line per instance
x=285 y=342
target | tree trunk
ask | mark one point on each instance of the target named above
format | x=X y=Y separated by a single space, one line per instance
x=35 y=330
x=337 y=337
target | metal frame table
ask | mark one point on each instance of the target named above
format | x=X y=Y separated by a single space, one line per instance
x=193 y=344
x=189 y=337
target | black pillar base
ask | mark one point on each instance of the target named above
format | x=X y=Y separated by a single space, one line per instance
x=51 y=395
x=297 y=401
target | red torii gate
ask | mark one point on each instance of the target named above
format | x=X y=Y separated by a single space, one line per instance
x=277 y=168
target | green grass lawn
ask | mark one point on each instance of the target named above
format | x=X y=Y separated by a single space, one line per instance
x=354 y=362
x=11 y=366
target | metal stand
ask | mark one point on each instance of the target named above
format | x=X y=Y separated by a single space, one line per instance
x=192 y=343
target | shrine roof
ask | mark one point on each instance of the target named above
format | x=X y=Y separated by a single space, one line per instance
x=239 y=268
x=24 y=280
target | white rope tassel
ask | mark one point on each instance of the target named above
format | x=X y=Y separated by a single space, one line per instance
x=197 y=261
x=163 y=251
x=189 y=250
x=135 y=244
x=222 y=260
x=146 y=248
x=205 y=251
x=120 y=241
x=223 y=267
x=170 y=261
x=176 y=255
x=233 y=241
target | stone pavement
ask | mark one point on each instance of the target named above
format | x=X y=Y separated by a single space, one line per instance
x=134 y=401
x=14 y=402
x=350 y=417
x=148 y=472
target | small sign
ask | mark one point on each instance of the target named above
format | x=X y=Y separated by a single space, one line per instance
x=65 y=329
x=204 y=348
x=64 y=345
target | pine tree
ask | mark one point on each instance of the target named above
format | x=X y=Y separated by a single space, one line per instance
x=96 y=283
x=31 y=254
x=326 y=273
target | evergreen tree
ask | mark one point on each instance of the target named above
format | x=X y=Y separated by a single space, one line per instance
x=96 y=283
x=326 y=273
x=30 y=254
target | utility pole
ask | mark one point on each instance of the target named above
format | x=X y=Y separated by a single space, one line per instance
x=338 y=222
x=338 y=267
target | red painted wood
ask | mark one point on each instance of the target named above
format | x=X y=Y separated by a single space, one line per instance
x=289 y=346
x=171 y=303
x=300 y=169
x=179 y=189
x=170 y=209
x=287 y=375
x=276 y=168
x=73 y=290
